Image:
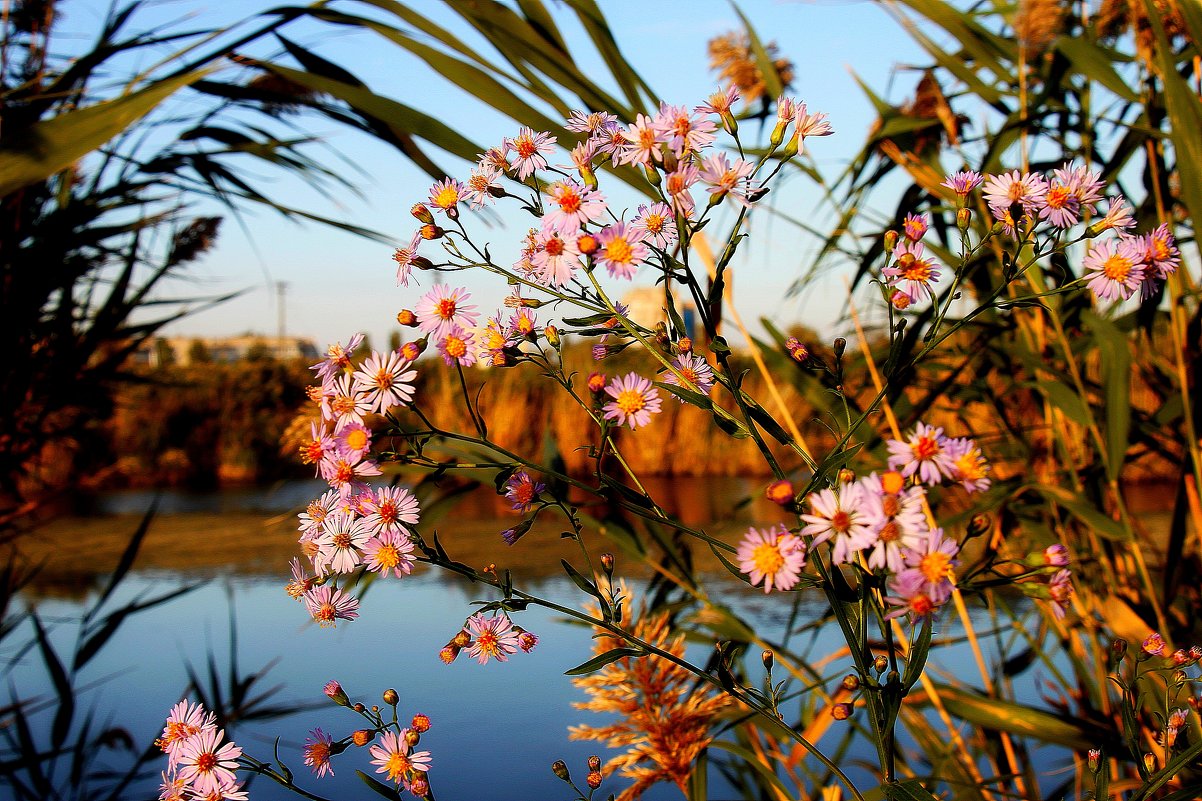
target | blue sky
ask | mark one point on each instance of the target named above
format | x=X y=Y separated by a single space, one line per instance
x=338 y=283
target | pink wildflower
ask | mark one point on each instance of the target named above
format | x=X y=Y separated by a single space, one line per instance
x=659 y=223
x=328 y=605
x=529 y=148
x=388 y=508
x=337 y=359
x=394 y=757
x=924 y=454
x=572 y=205
x=727 y=178
x=621 y=249
x=455 y=345
x=492 y=637
x=404 y=256
x=634 y=401
x=387 y=380
x=643 y=142
x=318 y=749
x=963 y=182
x=697 y=372
x=772 y=556
x=207 y=764
x=522 y=491
x=841 y=516
x=1115 y=268
x=443 y=308
x=389 y=552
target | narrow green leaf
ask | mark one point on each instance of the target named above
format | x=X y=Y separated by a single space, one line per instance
x=54 y=144
x=1185 y=114
x=1008 y=716
x=1116 y=378
x=62 y=687
x=1097 y=62
x=772 y=85
x=755 y=763
x=1082 y=509
x=909 y=790
x=1066 y=400
x=919 y=649
x=601 y=660
x=383 y=789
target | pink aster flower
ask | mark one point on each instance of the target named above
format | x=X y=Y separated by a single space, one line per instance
x=726 y=177
x=924 y=454
x=446 y=194
x=1060 y=589
x=316 y=512
x=610 y=139
x=492 y=637
x=772 y=556
x=589 y=123
x=387 y=380
x=841 y=516
x=344 y=404
x=318 y=749
x=912 y=272
x=328 y=604
x=443 y=308
x=720 y=102
x=529 y=148
x=621 y=250
x=404 y=257
x=643 y=142
x=527 y=640
x=183 y=722
x=173 y=787
x=634 y=401
x=684 y=132
x=389 y=553
x=968 y=466
x=1161 y=256
x=394 y=757
x=810 y=124
x=1062 y=204
x=895 y=516
x=963 y=182
x=659 y=223
x=929 y=568
x=354 y=441
x=1026 y=189
x=207 y=764
x=522 y=325
x=572 y=206
x=301 y=582
x=456 y=347
x=388 y=508
x=347 y=476
x=1056 y=556
x=677 y=185
x=341 y=542
x=907 y=598
x=1114 y=268
x=556 y=259
x=697 y=373
x=483 y=184
x=1154 y=644
x=496 y=157
x=522 y=491
x=337 y=359
x=320 y=444
x=915 y=226
x=1118 y=215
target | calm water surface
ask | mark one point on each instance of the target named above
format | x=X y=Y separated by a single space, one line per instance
x=496 y=728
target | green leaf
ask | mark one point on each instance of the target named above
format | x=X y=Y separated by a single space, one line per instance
x=1017 y=719
x=772 y=85
x=1116 y=377
x=756 y=764
x=601 y=660
x=62 y=687
x=54 y=144
x=1185 y=113
x=1066 y=400
x=382 y=789
x=909 y=790
x=1082 y=509
x=1096 y=62
x=919 y=649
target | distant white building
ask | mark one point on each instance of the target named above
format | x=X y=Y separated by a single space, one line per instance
x=645 y=305
x=186 y=350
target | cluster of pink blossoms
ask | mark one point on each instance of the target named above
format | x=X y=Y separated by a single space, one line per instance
x=200 y=766
x=353 y=525
x=489 y=637
x=1115 y=267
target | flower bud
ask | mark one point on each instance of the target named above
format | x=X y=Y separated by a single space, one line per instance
x=421 y=213
x=420 y=723
x=462 y=639
x=851 y=682
x=390 y=697
x=560 y=769
x=449 y=653
x=797 y=351
x=406 y=317
x=420 y=786
x=841 y=711
x=552 y=335
x=360 y=708
x=1055 y=555
x=1154 y=644
x=1180 y=657
x=840 y=345
x=767 y=658
x=430 y=231
x=1095 y=759
x=527 y=640
x=594 y=780
x=891 y=238
x=422 y=263
x=412 y=738
x=335 y=693
x=1195 y=652
x=1180 y=677
x=684 y=345
x=778 y=134
x=900 y=300
x=411 y=350
x=1118 y=650
x=1150 y=762
x=607 y=563
x=587 y=244
x=979 y=525
x=880 y=663
x=963 y=218
x=594 y=763
x=362 y=737
x=845 y=475
x=781 y=492
x=596 y=382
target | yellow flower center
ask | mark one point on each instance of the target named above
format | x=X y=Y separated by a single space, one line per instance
x=630 y=401
x=925 y=448
x=936 y=567
x=569 y=201
x=456 y=348
x=1058 y=196
x=654 y=223
x=767 y=558
x=445 y=308
x=318 y=753
x=841 y=522
x=446 y=197
x=890 y=505
x=388 y=556
x=384 y=378
x=325 y=614
x=342 y=540
x=387 y=512
x=397 y=765
x=1117 y=267
x=342 y=404
x=918 y=270
x=554 y=246
x=525 y=147
x=619 y=250
x=356 y=439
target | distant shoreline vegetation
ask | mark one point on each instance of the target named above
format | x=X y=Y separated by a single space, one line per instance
x=205 y=415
